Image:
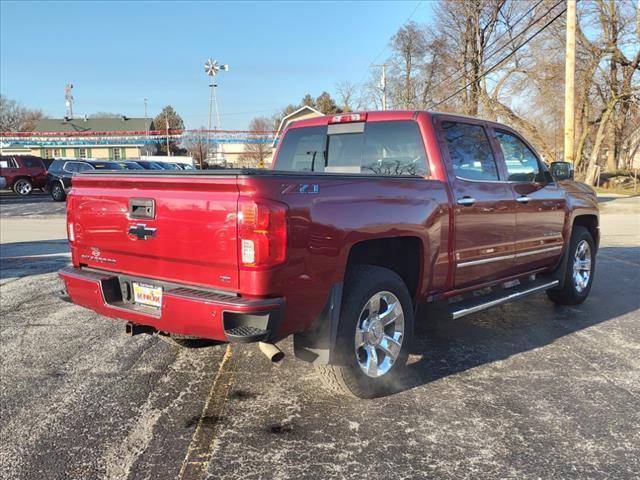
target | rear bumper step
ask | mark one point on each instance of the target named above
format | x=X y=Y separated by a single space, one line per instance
x=493 y=299
x=185 y=311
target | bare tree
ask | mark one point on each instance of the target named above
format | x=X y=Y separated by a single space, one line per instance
x=614 y=53
x=259 y=149
x=409 y=46
x=346 y=95
x=16 y=118
x=197 y=146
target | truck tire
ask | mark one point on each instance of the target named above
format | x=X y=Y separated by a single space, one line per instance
x=580 y=270
x=374 y=335
x=57 y=193
x=23 y=187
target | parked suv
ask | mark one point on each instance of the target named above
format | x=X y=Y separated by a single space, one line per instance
x=61 y=171
x=23 y=173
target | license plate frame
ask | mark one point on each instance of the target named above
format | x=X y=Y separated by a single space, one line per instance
x=147 y=295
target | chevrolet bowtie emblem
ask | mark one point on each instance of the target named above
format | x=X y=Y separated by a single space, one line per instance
x=141 y=231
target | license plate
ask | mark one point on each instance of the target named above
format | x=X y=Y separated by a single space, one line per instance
x=147 y=295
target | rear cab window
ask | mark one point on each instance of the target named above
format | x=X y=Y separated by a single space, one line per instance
x=387 y=148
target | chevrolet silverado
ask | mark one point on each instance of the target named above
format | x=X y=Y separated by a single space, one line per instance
x=363 y=218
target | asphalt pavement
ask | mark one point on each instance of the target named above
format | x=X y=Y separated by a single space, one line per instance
x=526 y=390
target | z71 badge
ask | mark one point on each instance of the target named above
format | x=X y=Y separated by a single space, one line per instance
x=301 y=188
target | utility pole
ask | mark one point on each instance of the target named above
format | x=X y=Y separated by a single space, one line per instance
x=383 y=84
x=569 y=82
x=146 y=127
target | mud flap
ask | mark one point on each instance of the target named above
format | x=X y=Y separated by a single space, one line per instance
x=316 y=345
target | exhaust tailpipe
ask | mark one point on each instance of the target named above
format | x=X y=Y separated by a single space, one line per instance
x=273 y=353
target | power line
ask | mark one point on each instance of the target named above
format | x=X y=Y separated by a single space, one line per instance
x=387 y=45
x=500 y=37
x=486 y=72
x=493 y=54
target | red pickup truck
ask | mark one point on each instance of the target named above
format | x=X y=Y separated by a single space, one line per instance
x=363 y=218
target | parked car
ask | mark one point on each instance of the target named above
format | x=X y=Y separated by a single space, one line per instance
x=129 y=165
x=61 y=171
x=23 y=173
x=150 y=165
x=364 y=218
x=185 y=166
x=169 y=166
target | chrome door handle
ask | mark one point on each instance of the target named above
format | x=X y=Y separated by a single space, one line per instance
x=466 y=201
x=523 y=199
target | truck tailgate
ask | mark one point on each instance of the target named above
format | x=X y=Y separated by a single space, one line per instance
x=189 y=234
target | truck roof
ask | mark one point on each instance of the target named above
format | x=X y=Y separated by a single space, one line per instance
x=390 y=115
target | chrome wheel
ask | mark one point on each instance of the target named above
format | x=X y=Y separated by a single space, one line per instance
x=23 y=187
x=379 y=334
x=582 y=266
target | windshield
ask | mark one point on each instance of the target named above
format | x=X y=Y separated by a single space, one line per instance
x=106 y=166
x=375 y=148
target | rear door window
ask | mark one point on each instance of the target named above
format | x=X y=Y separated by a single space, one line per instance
x=372 y=148
x=32 y=163
x=470 y=151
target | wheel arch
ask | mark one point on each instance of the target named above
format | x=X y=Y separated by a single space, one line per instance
x=404 y=255
x=17 y=178
x=591 y=223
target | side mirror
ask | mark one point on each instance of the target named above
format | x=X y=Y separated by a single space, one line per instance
x=562 y=170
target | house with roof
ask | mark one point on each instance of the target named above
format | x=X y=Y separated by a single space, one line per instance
x=117 y=138
x=302 y=113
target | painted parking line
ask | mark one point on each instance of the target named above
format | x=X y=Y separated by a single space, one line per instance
x=196 y=462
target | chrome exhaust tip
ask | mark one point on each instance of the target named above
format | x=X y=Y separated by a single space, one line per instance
x=273 y=353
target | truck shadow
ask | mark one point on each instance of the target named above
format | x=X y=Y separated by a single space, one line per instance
x=445 y=347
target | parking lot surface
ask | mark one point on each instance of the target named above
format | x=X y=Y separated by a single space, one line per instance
x=526 y=390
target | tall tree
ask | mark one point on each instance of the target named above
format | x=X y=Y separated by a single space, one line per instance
x=409 y=45
x=326 y=104
x=168 y=119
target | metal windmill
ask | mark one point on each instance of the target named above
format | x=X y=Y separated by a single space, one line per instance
x=211 y=68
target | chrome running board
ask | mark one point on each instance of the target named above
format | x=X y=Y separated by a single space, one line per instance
x=493 y=299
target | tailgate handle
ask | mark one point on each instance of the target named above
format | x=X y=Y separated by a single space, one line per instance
x=142 y=208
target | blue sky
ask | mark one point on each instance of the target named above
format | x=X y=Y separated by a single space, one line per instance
x=117 y=53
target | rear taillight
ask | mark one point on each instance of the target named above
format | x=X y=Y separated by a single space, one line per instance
x=71 y=235
x=262 y=233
